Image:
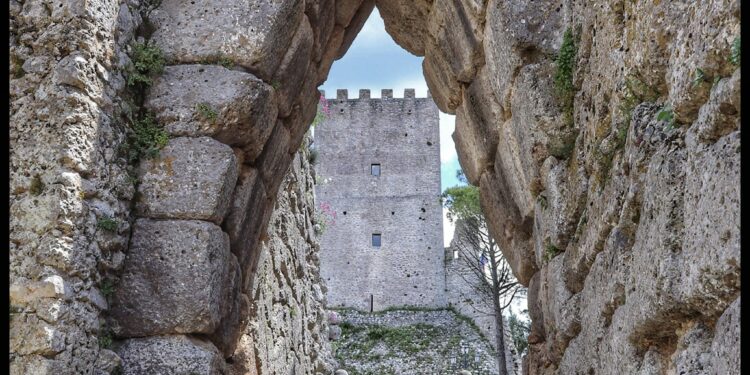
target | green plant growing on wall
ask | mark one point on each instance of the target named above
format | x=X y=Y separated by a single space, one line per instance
x=206 y=112
x=735 y=52
x=37 y=186
x=666 y=115
x=550 y=251
x=147 y=63
x=563 y=78
x=145 y=139
x=106 y=338
x=226 y=61
x=276 y=84
x=699 y=77
x=542 y=201
x=107 y=287
x=636 y=92
x=107 y=223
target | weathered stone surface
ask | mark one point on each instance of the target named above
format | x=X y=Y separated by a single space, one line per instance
x=506 y=226
x=234 y=107
x=515 y=32
x=356 y=24
x=477 y=120
x=234 y=312
x=288 y=329
x=254 y=35
x=174 y=279
x=457 y=33
x=345 y=11
x=406 y=21
x=290 y=76
x=192 y=178
x=275 y=159
x=442 y=83
x=724 y=353
x=169 y=355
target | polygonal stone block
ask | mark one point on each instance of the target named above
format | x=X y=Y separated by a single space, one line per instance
x=167 y=355
x=192 y=178
x=234 y=107
x=253 y=34
x=174 y=279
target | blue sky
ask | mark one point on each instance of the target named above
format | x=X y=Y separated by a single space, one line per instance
x=375 y=62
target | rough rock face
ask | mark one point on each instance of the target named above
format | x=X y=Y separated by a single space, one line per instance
x=289 y=329
x=615 y=176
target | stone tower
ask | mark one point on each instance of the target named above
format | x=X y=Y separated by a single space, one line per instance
x=379 y=172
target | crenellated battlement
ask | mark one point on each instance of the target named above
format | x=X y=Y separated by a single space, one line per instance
x=343 y=94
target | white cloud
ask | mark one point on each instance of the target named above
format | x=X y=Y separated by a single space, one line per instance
x=373 y=31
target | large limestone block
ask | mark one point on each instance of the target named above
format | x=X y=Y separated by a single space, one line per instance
x=247 y=219
x=167 y=355
x=192 y=178
x=244 y=108
x=345 y=10
x=290 y=76
x=174 y=279
x=406 y=21
x=458 y=32
x=234 y=315
x=442 y=83
x=711 y=245
x=477 y=123
x=275 y=159
x=725 y=348
x=253 y=34
x=514 y=30
x=507 y=227
x=356 y=24
x=330 y=51
x=321 y=15
x=707 y=46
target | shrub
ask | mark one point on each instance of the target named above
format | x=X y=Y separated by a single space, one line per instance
x=146 y=139
x=147 y=63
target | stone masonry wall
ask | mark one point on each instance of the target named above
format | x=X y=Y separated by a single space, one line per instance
x=402 y=204
x=609 y=172
x=66 y=64
x=608 y=165
x=288 y=330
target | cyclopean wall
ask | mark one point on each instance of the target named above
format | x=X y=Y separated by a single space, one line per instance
x=632 y=229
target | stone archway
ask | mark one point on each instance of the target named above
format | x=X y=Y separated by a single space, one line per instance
x=551 y=149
